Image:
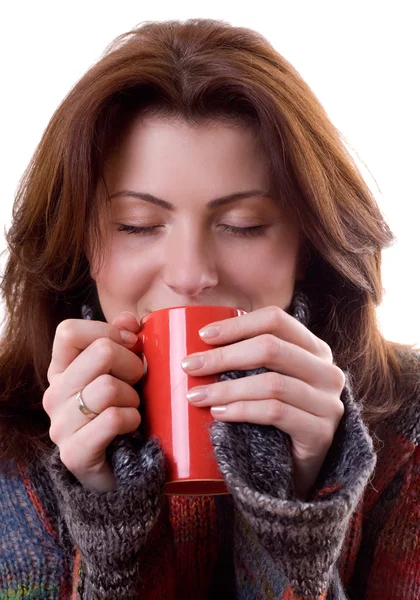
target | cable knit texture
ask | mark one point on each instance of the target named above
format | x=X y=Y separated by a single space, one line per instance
x=357 y=536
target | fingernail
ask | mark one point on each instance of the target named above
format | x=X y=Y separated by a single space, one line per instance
x=210 y=332
x=218 y=409
x=197 y=394
x=128 y=338
x=194 y=362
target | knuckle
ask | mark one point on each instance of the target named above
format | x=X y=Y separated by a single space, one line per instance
x=136 y=402
x=114 y=418
x=65 y=330
x=324 y=350
x=271 y=345
x=275 y=383
x=339 y=408
x=135 y=420
x=47 y=400
x=242 y=407
x=274 y=314
x=338 y=377
x=233 y=326
x=104 y=349
x=276 y=411
x=50 y=396
x=55 y=432
x=109 y=386
x=217 y=356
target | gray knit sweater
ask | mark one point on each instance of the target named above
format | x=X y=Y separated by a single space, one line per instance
x=283 y=548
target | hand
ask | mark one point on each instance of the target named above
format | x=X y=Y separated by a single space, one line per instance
x=93 y=357
x=299 y=395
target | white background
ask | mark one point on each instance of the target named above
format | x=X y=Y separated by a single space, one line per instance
x=361 y=58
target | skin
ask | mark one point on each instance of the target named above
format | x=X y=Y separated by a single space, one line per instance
x=190 y=256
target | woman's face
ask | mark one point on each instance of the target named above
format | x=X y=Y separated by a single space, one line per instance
x=189 y=223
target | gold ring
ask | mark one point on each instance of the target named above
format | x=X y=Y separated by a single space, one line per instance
x=82 y=406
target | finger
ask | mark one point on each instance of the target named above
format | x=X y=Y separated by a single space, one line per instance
x=75 y=335
x=266 y=386
x=305 y=429
x=87 y=446
x=100 y=394
x=271 y=352
x=103 y=356
x=128 y=321
x=270 y=319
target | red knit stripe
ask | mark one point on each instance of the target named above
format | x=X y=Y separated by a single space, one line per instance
x=44 y=517
x=194 y=527
x=290 y=595
x=76 y=566
x=351 y=546
x=46 y=521
x=328 y=490
x=65 y=588
x=398 y=452
x=395 y=572
x=157 y=562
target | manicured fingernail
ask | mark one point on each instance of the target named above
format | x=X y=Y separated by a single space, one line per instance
x=197 y=394
x=128 y=337
x=211 y=331
x=193 y=362
x=218 y=409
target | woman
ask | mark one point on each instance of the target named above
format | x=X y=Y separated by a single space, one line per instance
x=192 y=165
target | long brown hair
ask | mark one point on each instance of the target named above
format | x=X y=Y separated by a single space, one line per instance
x=196 y=70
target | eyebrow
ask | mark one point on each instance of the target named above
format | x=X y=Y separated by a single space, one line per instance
x=216 y=203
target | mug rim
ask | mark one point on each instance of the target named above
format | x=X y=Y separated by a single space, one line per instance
x=190 y=307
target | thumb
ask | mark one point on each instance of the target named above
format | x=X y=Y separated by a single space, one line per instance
x=126 y=320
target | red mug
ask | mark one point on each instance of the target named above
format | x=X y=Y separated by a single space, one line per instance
x=166 y=337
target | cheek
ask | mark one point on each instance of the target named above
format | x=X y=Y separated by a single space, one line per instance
x=265 y=273
x=257 y=261
x=123 y=271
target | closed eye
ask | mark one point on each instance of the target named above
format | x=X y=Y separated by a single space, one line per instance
x=254 y=231
x=244 y=231
x=140 y=230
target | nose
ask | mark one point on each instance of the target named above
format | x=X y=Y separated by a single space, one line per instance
x=189 y=267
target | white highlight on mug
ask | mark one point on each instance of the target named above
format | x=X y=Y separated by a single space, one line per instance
x=179 y=388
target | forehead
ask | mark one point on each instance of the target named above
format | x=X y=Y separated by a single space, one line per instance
x=154 y=150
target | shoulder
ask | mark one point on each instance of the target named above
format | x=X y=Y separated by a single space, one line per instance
x=406 y=421
x=409 y=361
x=409 y=379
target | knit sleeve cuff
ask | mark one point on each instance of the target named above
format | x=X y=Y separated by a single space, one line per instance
x=109 y=528
x=303 y=538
